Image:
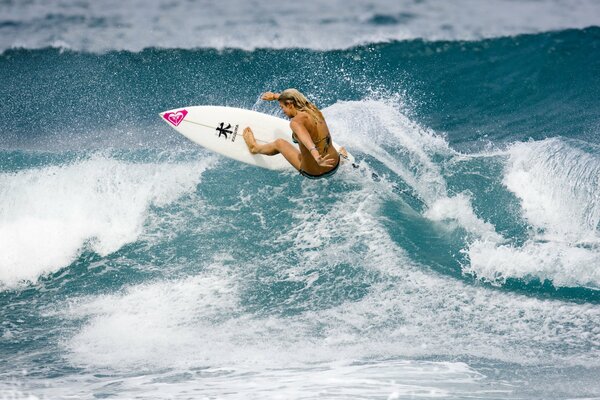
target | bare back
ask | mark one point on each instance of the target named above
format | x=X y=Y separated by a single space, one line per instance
x=318 y=132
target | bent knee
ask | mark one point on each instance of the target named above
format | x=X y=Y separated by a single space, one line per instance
x=279 y=143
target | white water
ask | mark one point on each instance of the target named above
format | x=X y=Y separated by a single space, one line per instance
x=201 y=330
x=558 y=187
x=50 y=214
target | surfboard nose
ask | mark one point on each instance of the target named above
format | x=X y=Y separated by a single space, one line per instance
x=176 y=116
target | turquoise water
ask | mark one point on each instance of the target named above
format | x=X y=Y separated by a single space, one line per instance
x=461 y=260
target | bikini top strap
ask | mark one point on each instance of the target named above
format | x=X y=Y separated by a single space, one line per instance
x=327 y=142
x=327 y=138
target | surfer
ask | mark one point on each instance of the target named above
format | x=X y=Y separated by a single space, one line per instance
x=317 y=158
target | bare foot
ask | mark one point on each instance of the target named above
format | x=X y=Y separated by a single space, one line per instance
x=250 y=140
x=343 y=152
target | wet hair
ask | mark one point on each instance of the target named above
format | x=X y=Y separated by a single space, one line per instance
x=293 y=96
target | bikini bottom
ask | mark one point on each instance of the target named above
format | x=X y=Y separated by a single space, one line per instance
x=323 y=175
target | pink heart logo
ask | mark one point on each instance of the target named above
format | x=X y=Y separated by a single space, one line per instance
x=176 y=117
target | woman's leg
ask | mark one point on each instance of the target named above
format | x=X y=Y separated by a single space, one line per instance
x=291 y=153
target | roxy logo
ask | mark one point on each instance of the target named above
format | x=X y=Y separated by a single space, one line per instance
x=176 y=117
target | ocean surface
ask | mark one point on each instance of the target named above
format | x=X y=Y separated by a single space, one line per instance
x=460 y=260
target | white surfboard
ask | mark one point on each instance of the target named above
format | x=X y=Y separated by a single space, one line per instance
x=220 y=129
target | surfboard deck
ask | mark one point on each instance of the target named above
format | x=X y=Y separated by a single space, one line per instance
x=220 y=129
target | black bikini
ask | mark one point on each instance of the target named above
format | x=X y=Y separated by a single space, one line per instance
x=327 y=138
x=323 y=175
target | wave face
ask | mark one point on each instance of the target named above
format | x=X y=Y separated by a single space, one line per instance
x=460 y=260
x=87 y=25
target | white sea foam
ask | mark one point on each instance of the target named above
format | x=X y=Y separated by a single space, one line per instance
x=558 y=186
x=165 y=323
x=50 y=214
x=134 y=25
x=380 y=128
x=202 y=323
x=391 y=379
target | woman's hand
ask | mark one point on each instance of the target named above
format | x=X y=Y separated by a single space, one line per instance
x=268 y=96
x=325 y=161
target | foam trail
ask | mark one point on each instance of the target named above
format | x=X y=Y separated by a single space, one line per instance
x=380 y=129
x=50 y=214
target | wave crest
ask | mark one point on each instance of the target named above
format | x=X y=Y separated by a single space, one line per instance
x=50 y=214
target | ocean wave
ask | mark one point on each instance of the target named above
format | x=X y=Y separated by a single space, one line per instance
x=558 y=187
x=554 y=182
x=548 y=230
x=51 y=214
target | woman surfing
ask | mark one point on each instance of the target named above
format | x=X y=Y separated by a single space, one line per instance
x=317 y=158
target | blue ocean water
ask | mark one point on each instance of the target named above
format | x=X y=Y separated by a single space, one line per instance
x=461 y=260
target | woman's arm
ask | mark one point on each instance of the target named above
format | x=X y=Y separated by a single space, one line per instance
x=269 y=96
x=304 y=138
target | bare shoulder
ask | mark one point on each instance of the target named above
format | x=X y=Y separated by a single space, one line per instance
x=300 y=119
x=302 y=116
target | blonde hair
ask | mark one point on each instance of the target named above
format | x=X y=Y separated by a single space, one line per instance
x=301 y=103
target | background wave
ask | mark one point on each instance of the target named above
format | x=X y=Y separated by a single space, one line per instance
x=497 y=90
x=135 y=25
